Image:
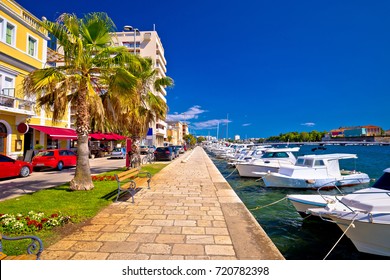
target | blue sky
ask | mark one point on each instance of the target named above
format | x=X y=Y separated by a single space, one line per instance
x=263 y=67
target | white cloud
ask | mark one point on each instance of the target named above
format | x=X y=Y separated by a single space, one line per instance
x=210 y=124
x=308 y=124
x=246 y=124
x=191 y=113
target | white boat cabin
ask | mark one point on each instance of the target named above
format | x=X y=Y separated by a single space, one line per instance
x=316 y=166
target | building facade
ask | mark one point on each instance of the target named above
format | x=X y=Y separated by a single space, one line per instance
x=357 y=131
x=148 y=44
x=23 y=48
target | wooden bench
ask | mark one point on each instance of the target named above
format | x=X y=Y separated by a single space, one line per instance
x=34 y=249
x=132 y=180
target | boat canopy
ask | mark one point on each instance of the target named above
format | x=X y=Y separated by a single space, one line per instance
x=329 y=156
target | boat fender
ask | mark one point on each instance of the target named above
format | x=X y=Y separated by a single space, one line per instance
x=310 y=181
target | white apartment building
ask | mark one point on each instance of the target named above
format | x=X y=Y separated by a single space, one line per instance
x=147 y=44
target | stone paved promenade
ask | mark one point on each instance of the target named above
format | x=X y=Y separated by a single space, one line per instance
x=189 y=213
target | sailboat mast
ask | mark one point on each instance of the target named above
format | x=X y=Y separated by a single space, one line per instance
x=227 y=126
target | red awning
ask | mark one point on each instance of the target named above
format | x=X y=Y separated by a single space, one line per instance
x=106 y=136
x=116 y=136
x=56 y=132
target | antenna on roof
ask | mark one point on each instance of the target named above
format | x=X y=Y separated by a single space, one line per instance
x=154 y=27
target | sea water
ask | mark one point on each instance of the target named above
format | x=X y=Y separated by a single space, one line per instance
x=295 y=237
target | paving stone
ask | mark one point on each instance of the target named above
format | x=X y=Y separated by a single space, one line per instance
x=62 y=245
x=113 y=236
x=110 y=228
x=153 y=248
x=142 y=237
x=170 y=238
x=148 y=229
x=222 y=250
x=126 y=228
x=222 y=239
x=84 y=235
x=127 y=256
x=172 y=230
x=163 y=223
x=93 y=228
x=141 y=222
x=86 y=246
x=217 y=231
x=193 y=230
x=188 y=249
x=90 y=256
x=186 y=223
x=166 y=257
x=119 y=247
x=200 y=239
x=56 y=255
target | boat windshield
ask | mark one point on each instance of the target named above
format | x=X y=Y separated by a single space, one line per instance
x=275 y=155
x=304 y=162
x=383 y=182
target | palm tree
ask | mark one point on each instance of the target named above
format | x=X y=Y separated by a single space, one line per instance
x=95 y=78
x=150 y=107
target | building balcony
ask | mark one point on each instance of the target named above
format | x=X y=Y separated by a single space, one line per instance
x=160 y=131
x=16 y=105
x=147 y=36
x=161 y=67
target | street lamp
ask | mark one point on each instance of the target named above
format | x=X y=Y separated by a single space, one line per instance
x=135 y=30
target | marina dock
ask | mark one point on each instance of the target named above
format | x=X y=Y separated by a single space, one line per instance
x=190 y=213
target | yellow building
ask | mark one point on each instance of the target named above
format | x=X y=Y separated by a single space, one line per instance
x=23 y=48
x=175 y=132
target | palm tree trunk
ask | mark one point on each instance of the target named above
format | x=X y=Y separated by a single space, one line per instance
x=82 y=179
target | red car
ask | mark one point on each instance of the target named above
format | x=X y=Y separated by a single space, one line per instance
x=56 y=158
x=12 y=168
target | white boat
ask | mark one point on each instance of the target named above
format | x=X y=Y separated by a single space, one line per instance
x=315 y=171
x=247 y=155
x=364 y=216
x=270 y=161
x=303 y=202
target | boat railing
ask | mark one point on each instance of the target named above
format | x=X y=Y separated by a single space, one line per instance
x=336 y=184
x=360 y=193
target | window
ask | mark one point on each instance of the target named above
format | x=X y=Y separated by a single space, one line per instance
x=1 y=29
x=7 y=84
x=10 y=34
x=32 y=46
x=319 y=163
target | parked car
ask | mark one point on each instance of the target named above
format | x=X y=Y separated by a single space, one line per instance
x=181 y=149
x=175 y=150
x=10 y=167
x=56 y=158
x=144 y=149
x=118 y=153
x=164 y=153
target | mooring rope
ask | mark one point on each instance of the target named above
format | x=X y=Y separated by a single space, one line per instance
x=231 y=173
x=337 y=242
x=259 y=207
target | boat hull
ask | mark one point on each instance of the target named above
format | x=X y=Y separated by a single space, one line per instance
x=368 y=237
x=276 y=180
x=254 y=170
x=302 y=203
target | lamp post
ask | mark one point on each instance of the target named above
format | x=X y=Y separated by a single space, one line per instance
x=135 y=30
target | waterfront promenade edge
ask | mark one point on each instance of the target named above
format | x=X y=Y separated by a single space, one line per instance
x=190 y=213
